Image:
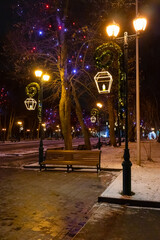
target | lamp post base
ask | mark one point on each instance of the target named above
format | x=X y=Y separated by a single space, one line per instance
x=41 y=151
x=126 y=174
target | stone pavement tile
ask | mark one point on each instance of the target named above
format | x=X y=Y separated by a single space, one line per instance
x=47 y=205
x=115 y=222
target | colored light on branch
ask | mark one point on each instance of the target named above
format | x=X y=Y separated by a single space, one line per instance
x=40 y=33
x=60 y=27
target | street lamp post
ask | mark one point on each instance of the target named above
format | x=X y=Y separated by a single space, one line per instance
x=95 y=116
x=99 y=105
x=126 y=163
x=112 y=31
x=45 y=77
x=30 y=103
x=19 y=129
x=139 y=25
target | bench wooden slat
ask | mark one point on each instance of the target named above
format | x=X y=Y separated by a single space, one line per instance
x=72 y=157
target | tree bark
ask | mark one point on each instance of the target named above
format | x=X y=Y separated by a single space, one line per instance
x=65 y=113
x=65 y=101
x=80 y=119
x=10 y=126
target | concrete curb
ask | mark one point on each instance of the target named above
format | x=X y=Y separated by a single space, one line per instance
x=130 y=202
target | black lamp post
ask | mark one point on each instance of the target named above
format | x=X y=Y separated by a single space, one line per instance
x=30 y=103
x=40 y=122
x=45 y=77
x=112 y=31
x=99 y=105
x=95 y=115
x=126 y=163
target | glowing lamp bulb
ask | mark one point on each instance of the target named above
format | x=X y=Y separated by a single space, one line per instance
x=60 y=27
x=99 y=105
x=112 y=30
x=38 y=73
x=46 y=77
x=140 y=24
x=47 y=6
x=104 y=87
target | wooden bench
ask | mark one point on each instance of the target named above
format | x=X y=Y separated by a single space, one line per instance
x=71 y=158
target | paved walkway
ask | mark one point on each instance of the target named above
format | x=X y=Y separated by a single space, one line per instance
x=115 y=222
x=34 y=204
x=47 y=205
x=121 y=222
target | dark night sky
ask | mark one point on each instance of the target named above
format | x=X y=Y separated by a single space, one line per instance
x=149 y=44
x=5 y=16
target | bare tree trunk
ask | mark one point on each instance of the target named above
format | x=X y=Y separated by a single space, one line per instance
x=10 y=126
x=80 y=119
x=111 y=121
x=65 y=113
x=65 y=101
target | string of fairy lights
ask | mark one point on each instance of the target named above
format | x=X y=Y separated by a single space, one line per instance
x=50 y=27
